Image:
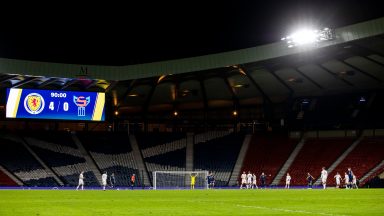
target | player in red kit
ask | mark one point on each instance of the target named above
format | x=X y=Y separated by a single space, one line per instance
x=133 y=179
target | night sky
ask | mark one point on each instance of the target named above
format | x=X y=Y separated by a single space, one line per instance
x=133 y=33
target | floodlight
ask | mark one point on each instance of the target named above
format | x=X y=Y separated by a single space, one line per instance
x=304 y=36
x=307 y=36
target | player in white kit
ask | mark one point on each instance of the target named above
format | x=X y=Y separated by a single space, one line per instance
x=354 y=182
x=104 y=178
x=324 y=176
x=287 y=181
x=249 y=180
x=81 y=181
x=346 y=180
x=338 y=180
x=254 y=181
x=243 y=180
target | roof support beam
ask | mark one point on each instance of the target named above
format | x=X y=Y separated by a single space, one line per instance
x=176 y=99
x=365 y=52
x=49 y=81
x=125 y=94
x=112 y=84
x=28 y=80
x=66 y=85
x=363 y=72
x=373 y=60
x=267 y=102
x=291 y=92
x=308 y=78
x=333 y=74
x=147 y=102
x=94 y=82
x=7 y=78
x=205 y=100
x=235 y=99
x=265 y=96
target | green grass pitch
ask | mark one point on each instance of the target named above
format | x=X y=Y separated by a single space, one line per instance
x=330 y=202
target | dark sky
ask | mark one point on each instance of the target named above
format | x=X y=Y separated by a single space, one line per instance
x=133 y=33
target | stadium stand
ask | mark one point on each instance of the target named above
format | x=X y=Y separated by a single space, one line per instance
x=16 y=159
x=368 y=154
x=376 y=171
x=218 y=155
x=59 y=137
x=315 y=154
x=163 y=151
x=155 y=139
x=215 y=151
x=70 y=165
x=267 y=152
x=56 y=159
x=171 y=159
x=112 y=152
x=105 y=142
x=5 y=180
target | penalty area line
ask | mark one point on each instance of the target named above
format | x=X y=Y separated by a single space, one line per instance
x=289 y=210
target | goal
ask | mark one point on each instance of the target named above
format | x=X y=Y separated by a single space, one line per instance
x=179 y=179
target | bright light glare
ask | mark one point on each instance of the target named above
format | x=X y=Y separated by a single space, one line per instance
x=304 y=36
x=308 y=36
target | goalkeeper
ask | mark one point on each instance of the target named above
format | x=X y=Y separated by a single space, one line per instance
x=193 y=180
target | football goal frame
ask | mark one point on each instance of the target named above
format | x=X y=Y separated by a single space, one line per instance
x=179 y=179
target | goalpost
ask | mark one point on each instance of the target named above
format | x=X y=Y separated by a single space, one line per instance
x=179 y=179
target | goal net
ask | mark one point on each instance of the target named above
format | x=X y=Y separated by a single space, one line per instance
x=179 y=179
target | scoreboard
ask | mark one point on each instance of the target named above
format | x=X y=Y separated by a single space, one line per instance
x=52 y=104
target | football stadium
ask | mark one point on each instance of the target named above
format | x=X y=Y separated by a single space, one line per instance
x=293 y=127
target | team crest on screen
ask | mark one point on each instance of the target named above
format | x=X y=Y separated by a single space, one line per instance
x=81 y=102
x=34 y=103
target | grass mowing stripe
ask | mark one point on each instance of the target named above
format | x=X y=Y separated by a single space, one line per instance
x=218 y=202
x=289 y=210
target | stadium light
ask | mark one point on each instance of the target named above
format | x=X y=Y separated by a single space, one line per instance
x=308 y=36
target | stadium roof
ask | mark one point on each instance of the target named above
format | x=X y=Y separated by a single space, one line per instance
x=272 y=73
x=256 y=54
x=142 y=32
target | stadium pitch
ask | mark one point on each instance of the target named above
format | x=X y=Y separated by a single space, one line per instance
x=330 y=202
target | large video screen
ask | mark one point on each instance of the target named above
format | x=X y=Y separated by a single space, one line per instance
x=52 y=104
